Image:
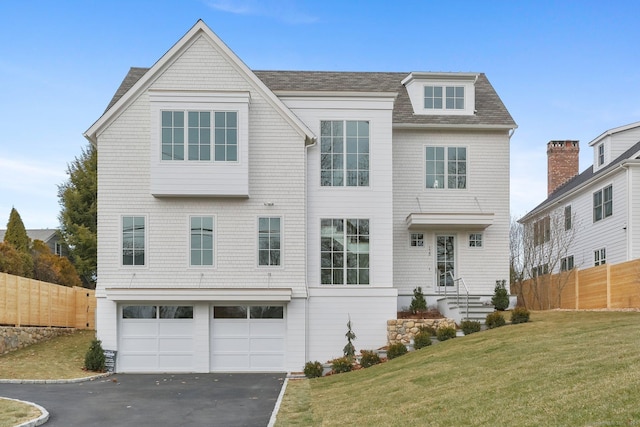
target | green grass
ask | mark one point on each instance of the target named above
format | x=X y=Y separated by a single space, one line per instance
x=58 y=358
x=561 y=369
x=13 y=413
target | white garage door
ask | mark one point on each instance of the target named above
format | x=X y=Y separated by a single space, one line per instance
x=247 y=338
x=156 y=338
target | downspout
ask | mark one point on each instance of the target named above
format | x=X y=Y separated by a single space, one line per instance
x=309 y=142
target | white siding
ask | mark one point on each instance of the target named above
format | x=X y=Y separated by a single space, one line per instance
x=330 y=310
x=487 y=192
x=633 y=224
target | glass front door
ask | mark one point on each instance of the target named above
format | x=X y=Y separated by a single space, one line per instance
x=445 y=261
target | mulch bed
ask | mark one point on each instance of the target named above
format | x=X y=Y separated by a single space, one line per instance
x=428 y=314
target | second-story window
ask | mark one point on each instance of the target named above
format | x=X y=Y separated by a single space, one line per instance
x=446 y=167
x=444 y=97
x=344 y=153
x=603 y=203
x=567 y=218
x=600 y=154
x=196 y=133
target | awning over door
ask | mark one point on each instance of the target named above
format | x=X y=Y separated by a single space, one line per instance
x=449 y=221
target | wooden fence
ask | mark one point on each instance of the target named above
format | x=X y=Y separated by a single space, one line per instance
x=28 y=302
x=605 y=286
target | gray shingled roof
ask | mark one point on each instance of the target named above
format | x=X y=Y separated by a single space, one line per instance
x=583 y=178
x=44 y=234
x=490 y=109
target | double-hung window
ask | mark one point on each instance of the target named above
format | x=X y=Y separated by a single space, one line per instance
x=568 y=221
x=453 y=98
x=201 y=241
x=600 y=154
x=446 y=167
x=133 y=240
x=269 y=238
x=344 y=153
x=344 y=251
x=198 y=131
x=566 y=263
x=603 y=203
x=600 y=257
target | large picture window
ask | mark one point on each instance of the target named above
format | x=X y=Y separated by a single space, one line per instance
x=344 y=153
x=446 y=167
x=201 y=241
x=133 y=240
x=603 y=203
x=198 y=136
x=344 y=251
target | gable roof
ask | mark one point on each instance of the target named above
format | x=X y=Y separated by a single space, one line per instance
x=583 y=179
x=138 y=79
x=44 y=234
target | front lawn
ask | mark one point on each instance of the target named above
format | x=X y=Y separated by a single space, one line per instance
x=563 y=369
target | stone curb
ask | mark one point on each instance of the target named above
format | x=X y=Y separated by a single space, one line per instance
x=66 y=381
x=43 y=418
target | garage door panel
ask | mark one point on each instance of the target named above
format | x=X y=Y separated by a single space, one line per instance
x=175 y=362
x=139 y=328
x=139 y=343
x=175 y=327
x=138 y=362
x=230 y=344
x=267 y=328
x=230 y=328
x=267 y=344
x=173 y=343
x=230 y=362
x=267 y=361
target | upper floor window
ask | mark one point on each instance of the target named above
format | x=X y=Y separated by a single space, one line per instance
x=475 y=240
x=198 y=137
x=344 y=251
x=542 y=231
x=567 y=218
x=600 y=154
x=344 y=153
x=600 y=257
x=133 y=240
x=446 y=167
x=603 y=203
x=269 y=236
x=201 y=241
x=417 y=239
x=453 y=98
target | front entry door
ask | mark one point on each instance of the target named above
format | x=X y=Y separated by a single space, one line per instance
x=445 y=260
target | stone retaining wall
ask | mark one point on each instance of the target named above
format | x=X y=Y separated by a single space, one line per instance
x=12 y=338
x=404 y=330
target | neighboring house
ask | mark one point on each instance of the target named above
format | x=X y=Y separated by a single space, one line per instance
x=51 y=237
x=599 y=208
x=245 y=216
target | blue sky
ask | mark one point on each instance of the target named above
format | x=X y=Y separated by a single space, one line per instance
x=564 y=69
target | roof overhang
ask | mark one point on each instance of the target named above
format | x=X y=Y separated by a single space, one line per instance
x=449 y=221
x=199 y=294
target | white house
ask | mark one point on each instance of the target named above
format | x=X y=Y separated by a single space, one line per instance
x=600 y=207
x=245 y=216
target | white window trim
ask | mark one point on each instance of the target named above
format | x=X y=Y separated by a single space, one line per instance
x=146 y=242
x=482 y=241
x=215 y=242
x=371 y=245
x=417 y=241
x=282 y=242
x=416 y=83
x=593 y=207
x=600 y=262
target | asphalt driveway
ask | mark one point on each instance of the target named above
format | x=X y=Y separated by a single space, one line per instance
x=156 y=400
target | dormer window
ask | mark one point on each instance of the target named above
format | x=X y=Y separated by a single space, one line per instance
x=453 y=97
x=600 y=154
x=450 y=94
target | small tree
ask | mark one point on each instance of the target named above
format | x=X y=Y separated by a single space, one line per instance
x=16 y=233
x=94 y=359
x=418 y=303
x=500 y=299
x=349 y=350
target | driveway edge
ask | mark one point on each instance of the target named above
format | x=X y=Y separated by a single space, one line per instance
x=65 y=381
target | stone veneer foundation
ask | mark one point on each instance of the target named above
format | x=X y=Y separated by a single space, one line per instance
x=404 y=330
x=12 y=338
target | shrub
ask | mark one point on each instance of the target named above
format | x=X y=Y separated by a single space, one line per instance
x=519 y=315
x=418 y=303
x=445 y=333
x=500 y=298
x=396 y=350
x=341 y=364
x=494 y=320
x=369 y=358
x=422 y=339
x=429 y=330
x=94 y=359
x=313 y=369
x=470 y=326
x=349 y=350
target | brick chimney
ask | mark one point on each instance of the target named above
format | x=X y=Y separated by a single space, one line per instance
x=562 y=163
